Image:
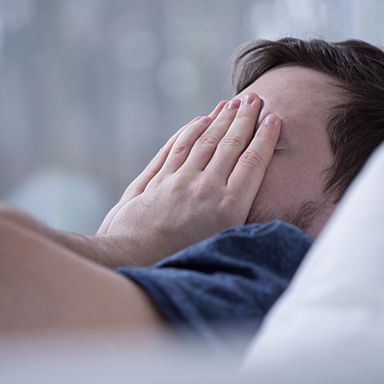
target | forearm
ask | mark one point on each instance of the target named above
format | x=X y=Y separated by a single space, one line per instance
x=107 y=250
x=65 y=291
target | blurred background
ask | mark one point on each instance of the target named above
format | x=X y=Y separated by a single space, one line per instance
x=90 y=89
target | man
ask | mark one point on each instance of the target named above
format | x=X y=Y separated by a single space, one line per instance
x=319 y=113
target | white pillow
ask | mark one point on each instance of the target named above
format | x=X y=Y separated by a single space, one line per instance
x=328 y=327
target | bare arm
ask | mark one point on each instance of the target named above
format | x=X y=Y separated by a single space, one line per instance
x=100 y=249
x=202 y=182
x=45 y=286
x=104 y=248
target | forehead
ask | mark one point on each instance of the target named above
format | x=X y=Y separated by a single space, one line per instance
x=297 y=94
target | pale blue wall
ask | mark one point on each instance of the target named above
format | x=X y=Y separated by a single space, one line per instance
x=91 y=88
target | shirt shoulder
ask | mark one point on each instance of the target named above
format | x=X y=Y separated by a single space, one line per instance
x=228 y=280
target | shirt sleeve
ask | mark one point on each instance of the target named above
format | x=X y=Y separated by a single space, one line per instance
x=229 y=280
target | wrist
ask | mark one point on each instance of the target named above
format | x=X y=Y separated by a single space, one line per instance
x=105 y=249
x=121 y=249
x=98 y=248
x=110 y=250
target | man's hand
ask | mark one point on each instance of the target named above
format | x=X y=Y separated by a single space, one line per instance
x=203 y=181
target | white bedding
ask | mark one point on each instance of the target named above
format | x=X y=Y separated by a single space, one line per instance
x=327 y=328
x=329 y=325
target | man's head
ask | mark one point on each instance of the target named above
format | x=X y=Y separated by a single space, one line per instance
x=330 y=97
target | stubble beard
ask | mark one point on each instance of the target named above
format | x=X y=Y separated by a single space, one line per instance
x=302 y=217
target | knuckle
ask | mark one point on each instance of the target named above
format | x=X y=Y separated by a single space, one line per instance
x=154 y=182
x=207 y=140
x=265 y=134
x=243 y=114
x=227 y=211
x=226 y=115
x=180 y=148
x=174 y=187
x=201 y=190
x=231 y=141
x=252 y=158
x=227 y=205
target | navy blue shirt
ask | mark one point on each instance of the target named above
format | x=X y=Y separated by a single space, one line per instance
x=229 y=280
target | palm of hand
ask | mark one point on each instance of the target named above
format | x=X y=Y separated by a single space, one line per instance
x=203 y=181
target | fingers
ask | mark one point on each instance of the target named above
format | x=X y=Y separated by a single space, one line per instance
x=248 y=173
x=237 y=137
x=138 y=185
x=185 y=141
x=182 y=146
x=205 y=146
x=217 y=109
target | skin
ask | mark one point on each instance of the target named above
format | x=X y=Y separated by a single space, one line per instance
x=213 y=174
x=296 y=175
x=204 y=180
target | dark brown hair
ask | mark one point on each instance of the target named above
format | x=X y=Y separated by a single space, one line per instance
x=356 y=127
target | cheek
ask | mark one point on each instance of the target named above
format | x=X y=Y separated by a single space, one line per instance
x=276 y=188
x=288 y=184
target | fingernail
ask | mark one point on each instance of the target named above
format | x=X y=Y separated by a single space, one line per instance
x=248 y=99
x=270 y=120
x=234 y=104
